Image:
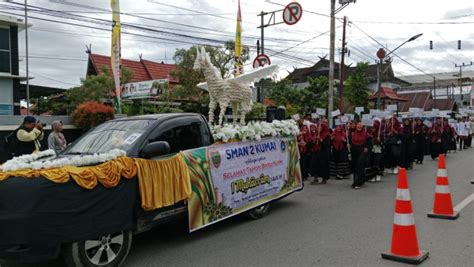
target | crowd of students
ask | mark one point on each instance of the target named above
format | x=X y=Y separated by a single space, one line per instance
x=370 y=151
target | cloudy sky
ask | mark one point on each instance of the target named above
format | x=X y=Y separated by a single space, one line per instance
x=58 y=57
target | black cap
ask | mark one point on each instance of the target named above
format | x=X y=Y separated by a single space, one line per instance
x=29 y=119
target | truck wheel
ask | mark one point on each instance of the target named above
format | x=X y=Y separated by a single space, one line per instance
x=106 y=251
x=259 y=212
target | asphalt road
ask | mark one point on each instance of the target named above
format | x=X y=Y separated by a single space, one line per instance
x=324 y=225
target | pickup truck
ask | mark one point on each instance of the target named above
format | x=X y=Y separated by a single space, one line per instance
x=42 y=220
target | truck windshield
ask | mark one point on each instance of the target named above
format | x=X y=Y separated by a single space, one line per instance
x=110 y=135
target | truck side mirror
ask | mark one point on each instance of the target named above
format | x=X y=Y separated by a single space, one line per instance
x=156 y=149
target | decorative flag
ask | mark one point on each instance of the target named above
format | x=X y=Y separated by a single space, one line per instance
x=238 y=66
x=116 y=53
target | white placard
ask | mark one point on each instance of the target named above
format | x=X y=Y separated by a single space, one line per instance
x=366 y=116
x=434 y=112
x=296 y=117
x=392 y=108
x=344 y=119
x=368 y=122
x=373 y=112
x=132 y=138
x=414 y=110
x=427 y=123
x=338 y=122
x=350 y=116
x=321 y=111
x=359 y=110
x=335 y=113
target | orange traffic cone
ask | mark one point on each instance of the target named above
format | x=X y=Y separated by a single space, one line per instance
x=404 y=240
x=443 y=205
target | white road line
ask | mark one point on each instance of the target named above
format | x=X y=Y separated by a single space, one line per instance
x=464 y=203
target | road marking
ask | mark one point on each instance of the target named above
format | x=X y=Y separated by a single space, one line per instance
x=464 y=203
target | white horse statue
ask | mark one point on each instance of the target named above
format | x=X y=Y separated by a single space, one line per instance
x=235 y=91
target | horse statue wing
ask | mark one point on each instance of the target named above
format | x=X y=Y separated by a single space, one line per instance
x=255 y=76
x=247 y=78
x=203 y=86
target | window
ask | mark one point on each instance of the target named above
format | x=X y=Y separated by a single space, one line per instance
x=182 y=138
x=5 y=50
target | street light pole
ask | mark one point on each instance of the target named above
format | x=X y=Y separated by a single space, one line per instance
x=381 y=55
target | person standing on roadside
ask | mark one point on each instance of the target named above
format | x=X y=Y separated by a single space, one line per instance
x=28 y=137
x=56 y=139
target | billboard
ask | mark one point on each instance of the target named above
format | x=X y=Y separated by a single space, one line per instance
x=145 y=89
x=231 y=178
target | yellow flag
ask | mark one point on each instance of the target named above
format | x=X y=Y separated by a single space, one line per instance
x=116 y=52
x=238 y=44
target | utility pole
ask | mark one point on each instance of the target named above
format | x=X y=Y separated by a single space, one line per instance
x=262 y=31
x=341 y=65
x=27 y=62
x=331 y=62
x=461 y=66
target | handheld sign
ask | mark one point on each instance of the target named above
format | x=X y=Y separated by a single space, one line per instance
x=351 y=117
x=392 y=108
x=373 y=111
x=434 y=112
x=296 y=117
x=359 y=110
x=366 y=116
x=338 y=122
x=344 y=119
x=413 y=110
x=368 y=122
x=314 y=115
x=321 y=111
x=335 y=113
x=292 y=13
x=427 y=123
x=261 y=61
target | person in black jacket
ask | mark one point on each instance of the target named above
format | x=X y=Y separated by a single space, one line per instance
x=28 y=137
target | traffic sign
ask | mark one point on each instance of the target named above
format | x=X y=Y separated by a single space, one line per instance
x=261 y=60
x=292 y=13
x=381 y=53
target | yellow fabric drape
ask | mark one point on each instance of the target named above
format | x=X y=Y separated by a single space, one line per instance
x=161 y=182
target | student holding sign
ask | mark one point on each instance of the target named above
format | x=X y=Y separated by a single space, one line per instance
x=434 y=135
x=419 y=134
x=392 y=145
x=321 y=149
x=340 y=166
x=359 y=147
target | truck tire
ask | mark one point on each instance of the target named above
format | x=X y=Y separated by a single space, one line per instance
x=259 y=212
x=106 y=251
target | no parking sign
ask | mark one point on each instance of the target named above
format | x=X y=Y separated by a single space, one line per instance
x=292 y=13
x=261 y=60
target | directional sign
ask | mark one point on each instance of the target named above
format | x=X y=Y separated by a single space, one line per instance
x=292 y=13
x=261 y=60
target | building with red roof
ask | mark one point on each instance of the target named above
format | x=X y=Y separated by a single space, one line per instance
x=143 y=70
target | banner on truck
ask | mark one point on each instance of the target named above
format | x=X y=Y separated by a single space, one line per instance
x=228 y=179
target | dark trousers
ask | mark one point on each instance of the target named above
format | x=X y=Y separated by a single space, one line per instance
x=305 y=160
x=420 y=149
x=435 y=150
x=357 y=165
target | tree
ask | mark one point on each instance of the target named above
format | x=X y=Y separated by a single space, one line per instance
x=284 y=94
x=316 y=93
x=93 y=88
x=356 y=89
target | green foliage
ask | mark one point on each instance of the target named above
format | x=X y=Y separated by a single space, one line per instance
x=97 y=88
x=295 y=100
x=356 y=89
x=259 y=111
